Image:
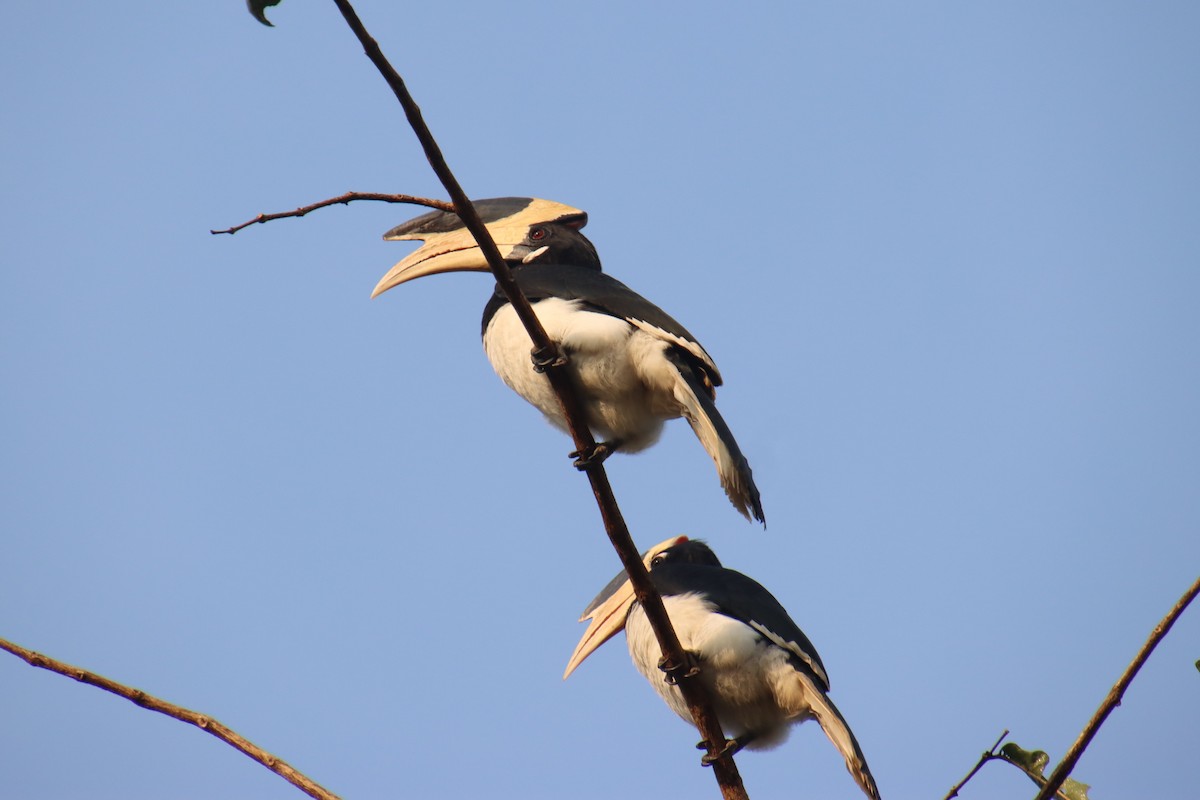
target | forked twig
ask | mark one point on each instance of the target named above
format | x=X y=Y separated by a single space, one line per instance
x=987 y=756
x=343 y=199
x=204 y=723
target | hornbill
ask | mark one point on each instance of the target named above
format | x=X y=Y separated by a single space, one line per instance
x=634 y=365
x=759 y=668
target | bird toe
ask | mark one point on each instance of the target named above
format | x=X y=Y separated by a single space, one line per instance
x=594 y=455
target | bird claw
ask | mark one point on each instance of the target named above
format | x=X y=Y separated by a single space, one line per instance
x=732 y=746
x=594 y=455
x=546 y=358
x=690 y=668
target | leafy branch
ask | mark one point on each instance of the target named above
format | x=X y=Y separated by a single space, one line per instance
x=1033 y=762
x=1113 y=699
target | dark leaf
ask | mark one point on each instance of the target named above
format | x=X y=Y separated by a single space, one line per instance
x=1033 y=763
x=259 y=9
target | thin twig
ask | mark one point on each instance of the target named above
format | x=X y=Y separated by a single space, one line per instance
x=724 y=767
x=1115 y=694
x=342 y=199
x=204 y=723
x=987 y=756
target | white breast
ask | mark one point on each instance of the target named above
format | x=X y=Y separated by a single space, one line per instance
x=626 y=380
x=741 y=670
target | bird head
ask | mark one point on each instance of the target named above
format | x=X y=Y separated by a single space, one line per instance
x=610 y=609
x=526 y=230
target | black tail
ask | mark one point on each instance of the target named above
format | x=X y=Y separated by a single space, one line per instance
x=694 y=394
x=835 y=727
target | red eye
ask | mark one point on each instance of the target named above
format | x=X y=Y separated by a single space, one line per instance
x=537 y=234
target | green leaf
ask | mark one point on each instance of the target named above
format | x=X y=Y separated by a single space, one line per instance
x=1033 y=761
x=1074 y=790
x=258 y=8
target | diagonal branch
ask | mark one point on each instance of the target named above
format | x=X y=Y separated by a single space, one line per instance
x=1115 y=694
x=546 y=352
x=204 y=723
x=342 y=199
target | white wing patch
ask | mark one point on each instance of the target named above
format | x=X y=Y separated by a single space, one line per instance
x=794 y=648
x=692 y=347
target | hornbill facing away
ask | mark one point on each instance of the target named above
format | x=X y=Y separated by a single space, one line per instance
x=634 y=365
x=760 y=670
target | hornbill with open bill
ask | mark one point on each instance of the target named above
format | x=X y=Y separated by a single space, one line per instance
x=759 y=668
x=634 y=365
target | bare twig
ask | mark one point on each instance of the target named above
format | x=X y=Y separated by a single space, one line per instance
x=546 y=352
x=342 y=199
x=987 y=756
x=1115 y=694
x=204 y=723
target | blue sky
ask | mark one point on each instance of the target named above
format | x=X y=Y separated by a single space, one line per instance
x=946 y=256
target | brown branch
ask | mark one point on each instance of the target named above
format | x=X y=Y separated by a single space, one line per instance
x=1115 y=694
x=546 y=352
x=204 y=723
x=987 y=756
x=343 y=199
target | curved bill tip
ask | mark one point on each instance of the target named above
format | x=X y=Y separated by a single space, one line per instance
x=456 y=251
x=610 y=609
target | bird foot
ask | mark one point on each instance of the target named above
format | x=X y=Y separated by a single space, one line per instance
x=547 y=357
x=594 y=455
x=690 y=668
x=731 y=747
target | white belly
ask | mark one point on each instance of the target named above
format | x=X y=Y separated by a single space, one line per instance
x=741 y=671
x=624 y=376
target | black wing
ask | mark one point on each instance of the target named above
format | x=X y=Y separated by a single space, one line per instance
x=736 y=476
x=742 y=598
x=598 y=290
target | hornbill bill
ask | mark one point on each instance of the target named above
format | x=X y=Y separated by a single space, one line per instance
x=759 y=668
x=634 y=365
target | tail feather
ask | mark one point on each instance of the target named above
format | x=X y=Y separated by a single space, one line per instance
x=710 y=428
x=835 y=727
